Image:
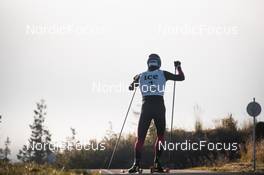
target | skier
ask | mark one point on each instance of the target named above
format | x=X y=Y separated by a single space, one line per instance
x=152 y=86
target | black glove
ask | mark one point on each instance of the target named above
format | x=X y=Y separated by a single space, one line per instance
x=131 y=87
x=177 y=64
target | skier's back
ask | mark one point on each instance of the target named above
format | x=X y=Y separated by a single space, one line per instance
x=152 y=86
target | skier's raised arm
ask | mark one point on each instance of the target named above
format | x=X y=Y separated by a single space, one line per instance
x=175 y=77
x=134 y=83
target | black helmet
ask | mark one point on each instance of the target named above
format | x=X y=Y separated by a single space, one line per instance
x=154 y=61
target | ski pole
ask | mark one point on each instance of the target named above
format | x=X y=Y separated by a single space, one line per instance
x=118 y=140
x=172 y=112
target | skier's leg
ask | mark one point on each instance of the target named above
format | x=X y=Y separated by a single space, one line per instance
x=143 y=126
x=160 y=123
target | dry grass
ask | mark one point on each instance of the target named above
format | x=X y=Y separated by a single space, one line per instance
x=246 y=155
x=233 y=167
x=245 y=163
x=35 y=169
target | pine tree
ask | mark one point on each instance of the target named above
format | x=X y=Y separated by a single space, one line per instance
x=6 y=150
x=1 y=150
x=71 y=141
x=38 y=148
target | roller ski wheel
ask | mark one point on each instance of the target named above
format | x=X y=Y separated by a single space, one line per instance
x=123 y=171
x=167 y=170
x=159 y=169
x=127 y=172
x=135 y=169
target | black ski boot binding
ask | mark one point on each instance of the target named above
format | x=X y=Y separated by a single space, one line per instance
x=135 y=169
x=157 y=168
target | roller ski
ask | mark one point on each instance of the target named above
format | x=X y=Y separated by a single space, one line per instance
x=157 y=168
x=135 y=169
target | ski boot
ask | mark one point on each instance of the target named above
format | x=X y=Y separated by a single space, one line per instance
x=157 y=168
x=135 y=169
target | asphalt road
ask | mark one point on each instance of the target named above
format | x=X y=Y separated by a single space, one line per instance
x=172 y=172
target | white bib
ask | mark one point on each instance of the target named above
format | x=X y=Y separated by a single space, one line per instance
x=152 y=83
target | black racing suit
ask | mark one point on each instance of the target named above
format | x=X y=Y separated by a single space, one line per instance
x=153 y=108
